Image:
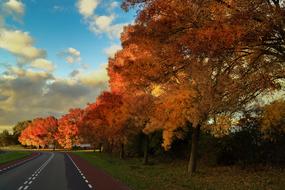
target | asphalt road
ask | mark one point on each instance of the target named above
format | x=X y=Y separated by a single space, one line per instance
x=49 y=171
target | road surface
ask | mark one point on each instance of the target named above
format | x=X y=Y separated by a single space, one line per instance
x=49 y=171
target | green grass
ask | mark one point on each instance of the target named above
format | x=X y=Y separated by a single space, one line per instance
x=11 y=156
x=164 y=176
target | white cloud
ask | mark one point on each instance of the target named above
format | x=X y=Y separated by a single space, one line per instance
x=105 y=25
x=87 y=7
x=30 y=90
x=20 y=44
x=69 y=60
x=71 y=55
x=43 y=64
x=94 y=77
x=15 y=6
x=101 y=24
x=29 y=94
x=111 y=51
x=74 y=52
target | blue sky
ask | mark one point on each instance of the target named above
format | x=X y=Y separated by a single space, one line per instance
x=56 y=25
x=53 y=54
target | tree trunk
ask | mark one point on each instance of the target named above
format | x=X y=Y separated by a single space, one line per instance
x=100 y=147
x=192 y=165
x=122 y=153
x=146 y=147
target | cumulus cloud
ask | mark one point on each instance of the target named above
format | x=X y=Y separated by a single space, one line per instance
x=14 y=6
x=71 y=55
x=29 y=89
x=29 y=94
x=43 y=64
x=111 y=51
x=19 y=43
x=94 y=77
x=87 y=7
x=73 y=52
x=100 y=24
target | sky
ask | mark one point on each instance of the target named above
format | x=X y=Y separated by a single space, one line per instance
x=53 y=54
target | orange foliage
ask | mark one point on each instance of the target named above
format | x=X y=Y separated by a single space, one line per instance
x=207 y=56
x=41 y=132
x=68 y=130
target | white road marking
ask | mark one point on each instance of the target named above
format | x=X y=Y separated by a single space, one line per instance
x=30 y=179
x=19 y=163
x=20 y=188
x=84 y=178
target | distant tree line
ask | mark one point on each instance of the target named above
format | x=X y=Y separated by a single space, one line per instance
x=11 y=138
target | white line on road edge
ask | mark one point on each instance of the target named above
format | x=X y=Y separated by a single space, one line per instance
x=84 y=178
x=19 y=163
x=35 y=174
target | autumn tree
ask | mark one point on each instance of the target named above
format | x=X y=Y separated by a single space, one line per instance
x=40 y=132
x=107 y=117
x=137 y=100
x=93 y=125
x=68 y=130
x=273 y=120
x=208 y=57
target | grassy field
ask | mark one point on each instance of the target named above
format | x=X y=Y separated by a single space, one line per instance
x=164 y=176
x=11 y=156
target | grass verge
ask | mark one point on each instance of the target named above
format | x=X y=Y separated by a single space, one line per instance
x=164 y=176
x=11 y=156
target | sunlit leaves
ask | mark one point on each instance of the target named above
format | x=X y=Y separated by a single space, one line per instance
x=41 y=132
x=68 y=130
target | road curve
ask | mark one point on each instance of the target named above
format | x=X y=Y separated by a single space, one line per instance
x=49 y=171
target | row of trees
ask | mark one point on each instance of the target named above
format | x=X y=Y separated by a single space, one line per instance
x=191 y=65
x=11 y=138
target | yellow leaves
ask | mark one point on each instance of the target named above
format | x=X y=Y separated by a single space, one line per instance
x=221 y=126
x=273 y=119
x=156 y=90
x=173 y=111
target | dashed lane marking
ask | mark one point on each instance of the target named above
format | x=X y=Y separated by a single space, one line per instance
x=84 y=178
x=35 y=174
